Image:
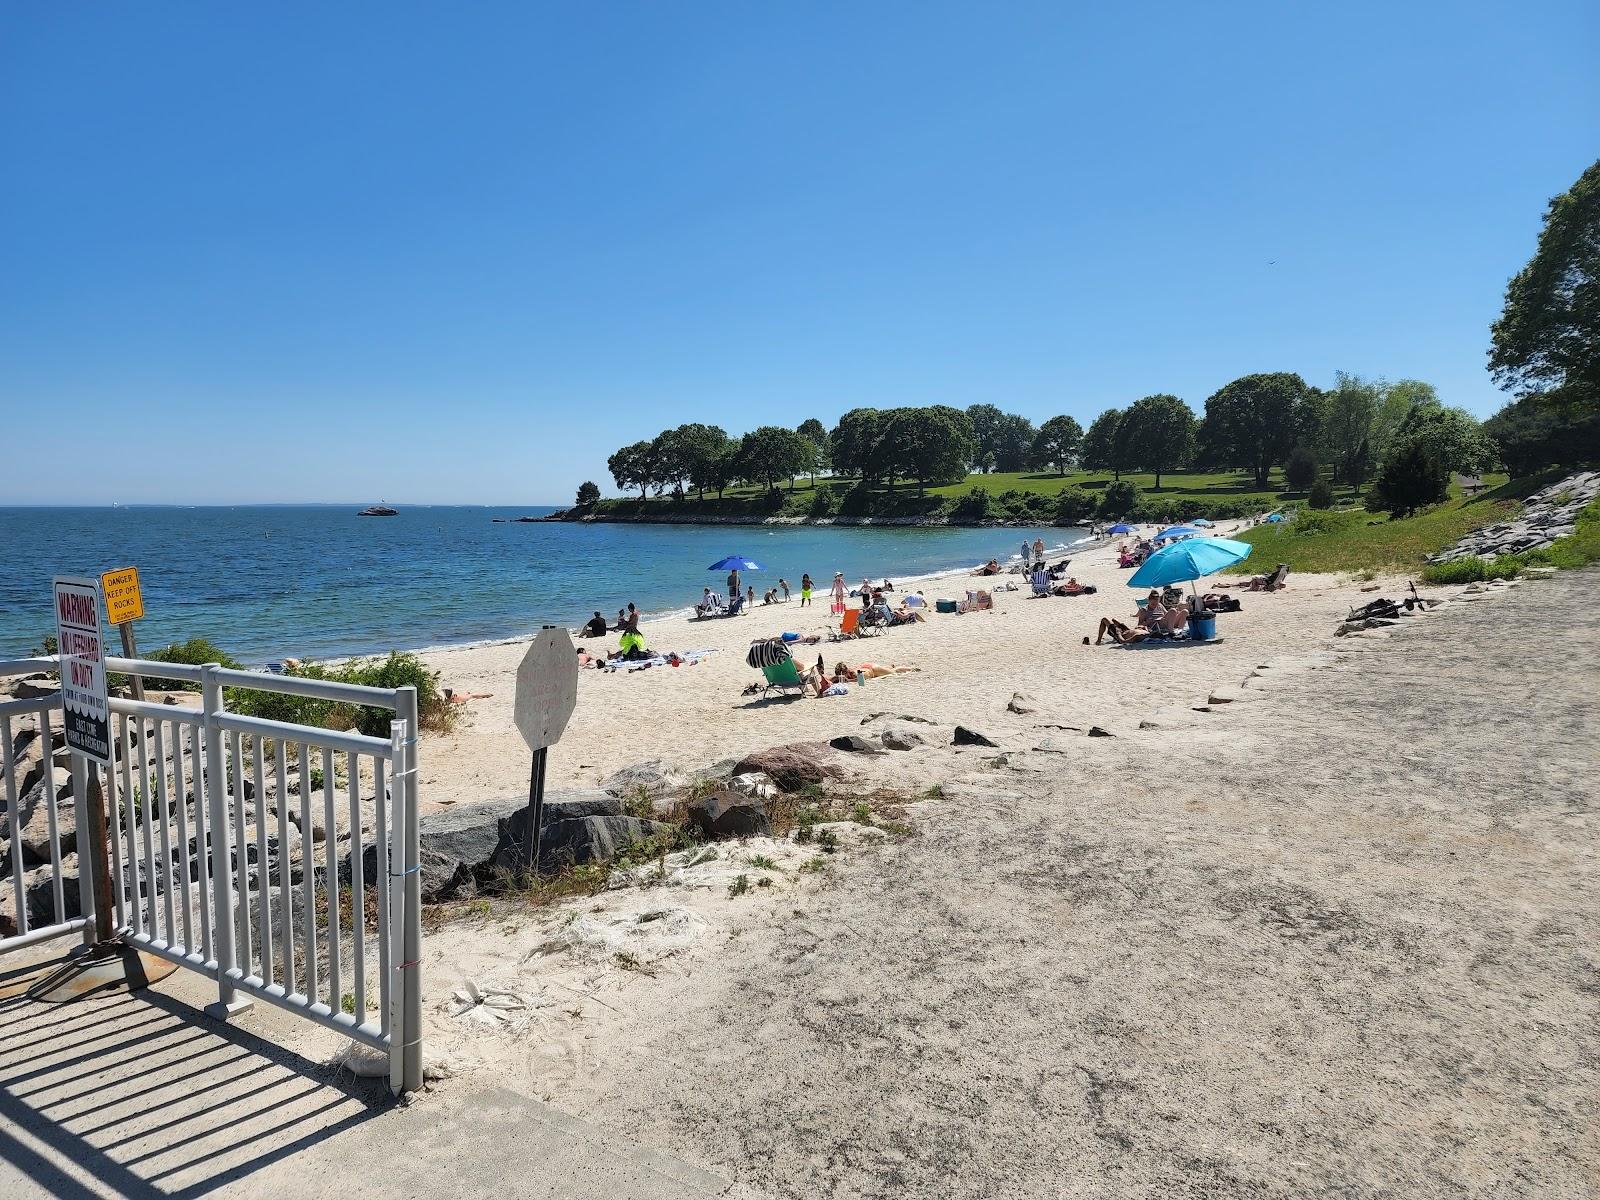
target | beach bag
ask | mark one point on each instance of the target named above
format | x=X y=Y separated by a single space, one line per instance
x=945 y=606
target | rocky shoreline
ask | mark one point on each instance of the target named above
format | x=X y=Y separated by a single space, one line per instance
x=1548 y=514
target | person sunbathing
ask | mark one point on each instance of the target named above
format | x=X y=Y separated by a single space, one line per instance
x=1259 y=583
x=1120 y=633
x=991 y=567
x=879 y=670
x=1070 y=588
x=905 y=615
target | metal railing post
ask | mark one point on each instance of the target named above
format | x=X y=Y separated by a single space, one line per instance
x=222 y=899
x=411 y=943
x=86 y=860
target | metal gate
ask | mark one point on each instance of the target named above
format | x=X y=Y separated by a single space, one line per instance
x=278 y=859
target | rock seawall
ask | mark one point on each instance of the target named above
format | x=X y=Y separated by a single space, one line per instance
x=1548 y=514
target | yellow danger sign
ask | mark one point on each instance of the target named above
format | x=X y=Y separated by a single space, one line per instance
x=124 y=601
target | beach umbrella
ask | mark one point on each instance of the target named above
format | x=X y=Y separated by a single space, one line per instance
x=735 y=562
x=1183 y=562
x=1201 y=522
x=1120 y=529
x=1175 y=531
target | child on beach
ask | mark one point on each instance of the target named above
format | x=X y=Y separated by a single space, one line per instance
x=805 y=591
x=783 y=585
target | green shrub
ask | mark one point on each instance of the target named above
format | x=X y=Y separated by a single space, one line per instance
x=976 y=505
x=1473 y=570
x=1308 y=524
x=1321 y=495
x=196 y=652
x=824 y=502
x=1073 y=506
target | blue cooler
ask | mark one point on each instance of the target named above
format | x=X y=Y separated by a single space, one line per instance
x=1203 y=627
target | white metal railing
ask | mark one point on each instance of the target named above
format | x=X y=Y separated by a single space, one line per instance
x=269 y=900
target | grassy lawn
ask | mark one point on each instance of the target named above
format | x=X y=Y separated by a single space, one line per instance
x=1356 y=540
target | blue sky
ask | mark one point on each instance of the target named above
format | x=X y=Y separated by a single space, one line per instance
x=459 y=253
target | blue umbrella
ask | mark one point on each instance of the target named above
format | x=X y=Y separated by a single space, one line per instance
x=1120 y=529
x=1176 y=531
x=1274 y=518
x=1185 y=561
x=735 y=562
x=1202 y=523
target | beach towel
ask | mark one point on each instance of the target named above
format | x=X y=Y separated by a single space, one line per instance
x=766 y=653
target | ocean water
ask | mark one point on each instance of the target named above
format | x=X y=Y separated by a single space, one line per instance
x=265 y=582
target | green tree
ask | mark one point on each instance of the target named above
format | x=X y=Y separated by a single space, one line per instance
x=771 y=453
x=1411 y=477
x=1013 y=442
x=852 y=441
x=633 y=467
x=1157 y=434
x=1396 y=402
x=1453 y=435
x=588 y=493
x=985 y=420
x=1056 y=444
x=1352 y=405
x=1255 y=418
x=1547 y=340
x=1100 y=451
x=1530 y=435
x=931 y=445
x=1321 y=495
x=1300 y=472
x=816 y=433
x=722 y=468
x=696 y=448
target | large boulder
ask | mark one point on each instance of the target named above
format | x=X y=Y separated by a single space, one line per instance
x=32 y=818
x=726 y=813
x=572 y=841
x=39 y=895
x=652 y=778
x=791 y=767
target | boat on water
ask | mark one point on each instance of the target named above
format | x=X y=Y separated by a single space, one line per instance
x=379 y=510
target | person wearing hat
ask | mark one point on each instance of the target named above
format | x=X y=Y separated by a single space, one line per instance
x=838 y=591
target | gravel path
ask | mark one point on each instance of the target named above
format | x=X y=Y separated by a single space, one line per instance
x=1336 y=939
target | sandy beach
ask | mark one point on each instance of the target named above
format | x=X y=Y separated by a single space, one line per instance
x=970 y=665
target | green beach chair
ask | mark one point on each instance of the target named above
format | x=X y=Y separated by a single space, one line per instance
x=783 y=676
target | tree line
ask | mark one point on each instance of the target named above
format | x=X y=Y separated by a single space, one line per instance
x=1397 y=438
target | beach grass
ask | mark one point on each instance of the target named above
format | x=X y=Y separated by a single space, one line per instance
x=1355 y=540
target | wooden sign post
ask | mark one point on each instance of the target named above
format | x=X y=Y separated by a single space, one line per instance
x=547 y=692
x=124 y=606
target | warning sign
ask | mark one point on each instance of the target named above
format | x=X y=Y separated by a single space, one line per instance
x=86 y=709
x=124 y=601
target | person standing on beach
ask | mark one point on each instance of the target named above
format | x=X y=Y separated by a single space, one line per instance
x=733 y=584
x=838 y=591
x=783 y=584
x=1025 y=559
x=805 y=591
x=1038 y=549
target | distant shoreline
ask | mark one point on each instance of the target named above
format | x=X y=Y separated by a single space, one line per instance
x=572 y=516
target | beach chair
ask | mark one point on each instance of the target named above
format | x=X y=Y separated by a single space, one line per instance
x=1041 y=584
x=849 y=625
x=735 y=606
x=1275 y=581
x=871 y=622
x=783 y=676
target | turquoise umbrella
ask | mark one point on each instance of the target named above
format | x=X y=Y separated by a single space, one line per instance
x=1183 y=562
x=1176 y=531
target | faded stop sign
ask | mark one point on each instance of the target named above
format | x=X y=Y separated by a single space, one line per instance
x=547 y=688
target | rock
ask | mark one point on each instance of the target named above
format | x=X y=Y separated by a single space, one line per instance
x=791 y=767
x=1096 y=731
x=39 y=894
x=33 y=817
x=855 y=744
x=1021 y=703
x=652 y=778
x=900 y=738
x=571 y=842
x=970 y=737
x=878 y=716
x=727 y=814
x=580 y=802
x=756 y=785
x=34 y=687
